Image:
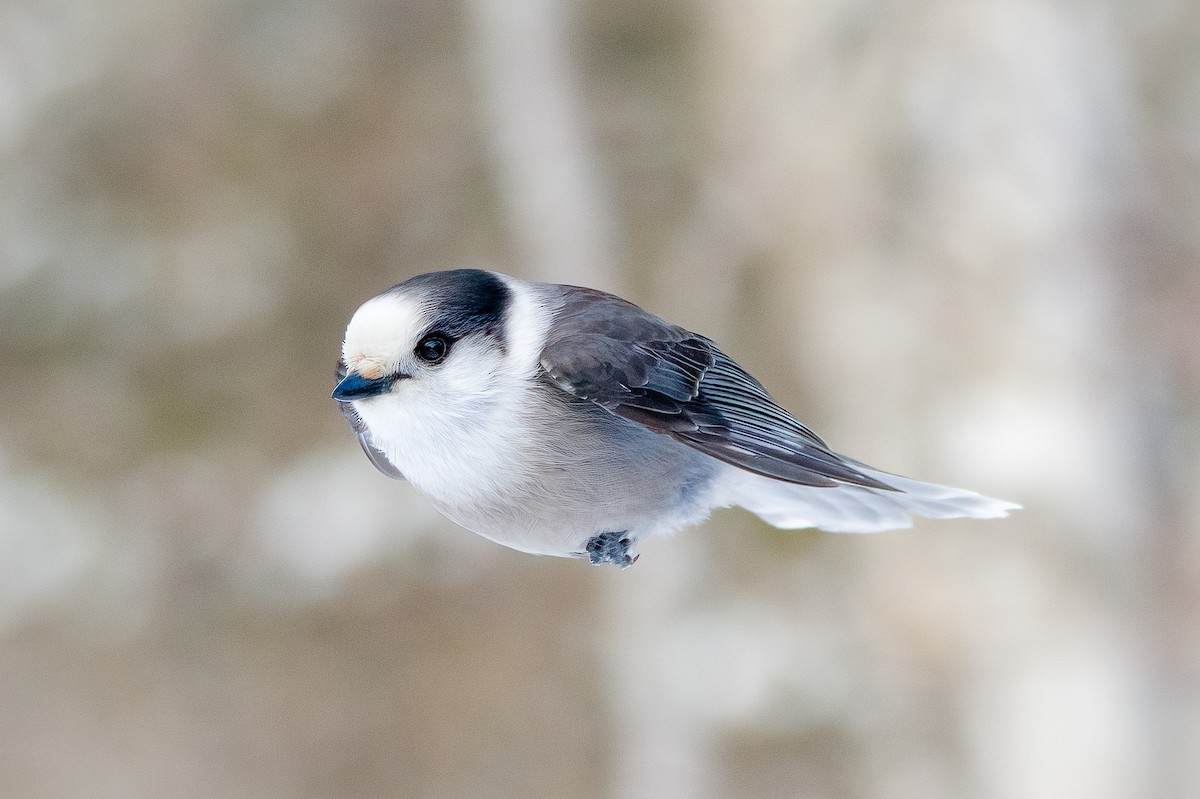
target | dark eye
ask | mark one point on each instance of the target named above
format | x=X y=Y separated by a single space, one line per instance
x=432 y=348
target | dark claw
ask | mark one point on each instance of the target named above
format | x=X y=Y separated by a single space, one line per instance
x=612 y=547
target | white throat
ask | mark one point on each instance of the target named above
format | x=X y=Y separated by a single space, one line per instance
x=459 y=439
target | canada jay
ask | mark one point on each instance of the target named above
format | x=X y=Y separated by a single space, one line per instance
x=560 y=420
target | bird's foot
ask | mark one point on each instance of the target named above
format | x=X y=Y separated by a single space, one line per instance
x=612 y=547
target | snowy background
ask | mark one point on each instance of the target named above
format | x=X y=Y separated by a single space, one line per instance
x=960 y=239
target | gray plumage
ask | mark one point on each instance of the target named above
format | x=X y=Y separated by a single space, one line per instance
x=609 y=351
x=566 y=421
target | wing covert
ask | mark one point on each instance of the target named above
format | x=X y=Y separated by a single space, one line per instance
x=671 y=381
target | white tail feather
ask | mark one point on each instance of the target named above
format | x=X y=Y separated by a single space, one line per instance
x=854 y=509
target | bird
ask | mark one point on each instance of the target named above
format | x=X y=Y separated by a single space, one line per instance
x=562 y=420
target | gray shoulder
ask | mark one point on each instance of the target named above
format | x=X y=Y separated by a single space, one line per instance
x=637 y=366
x=584 y=311
x=608 y=350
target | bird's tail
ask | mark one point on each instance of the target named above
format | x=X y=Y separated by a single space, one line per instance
x=855 y=509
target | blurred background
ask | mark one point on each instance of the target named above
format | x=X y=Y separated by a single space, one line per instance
x=959 y=239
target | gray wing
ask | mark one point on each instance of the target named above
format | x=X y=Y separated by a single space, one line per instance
x=374 y=454
x=606 y=350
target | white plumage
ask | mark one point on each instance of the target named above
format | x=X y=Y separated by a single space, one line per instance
x=564 y=421
x=854 y=509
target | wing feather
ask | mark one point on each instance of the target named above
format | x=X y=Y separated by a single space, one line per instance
x=606 y=350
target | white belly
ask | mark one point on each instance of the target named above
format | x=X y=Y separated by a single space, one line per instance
x=543 y=478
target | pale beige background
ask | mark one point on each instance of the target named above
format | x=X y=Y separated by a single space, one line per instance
x=960 y=239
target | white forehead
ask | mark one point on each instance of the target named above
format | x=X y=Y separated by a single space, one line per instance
x=381 y=329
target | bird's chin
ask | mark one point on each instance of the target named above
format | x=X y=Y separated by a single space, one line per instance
x=384 y=411
x=374 y=404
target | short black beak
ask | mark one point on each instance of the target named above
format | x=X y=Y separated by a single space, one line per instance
x=355 y=387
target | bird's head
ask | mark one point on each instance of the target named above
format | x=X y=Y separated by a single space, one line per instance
x=435 y=338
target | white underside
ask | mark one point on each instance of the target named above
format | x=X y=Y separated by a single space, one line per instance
x=510 y=458
x=853 y=509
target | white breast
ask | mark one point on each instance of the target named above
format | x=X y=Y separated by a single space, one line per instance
x=453 y=450
x=461 y=436
x=507 y=456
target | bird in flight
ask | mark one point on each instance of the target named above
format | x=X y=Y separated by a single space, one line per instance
x=560 y=420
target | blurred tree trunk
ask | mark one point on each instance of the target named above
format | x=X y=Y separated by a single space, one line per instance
x=559 y=212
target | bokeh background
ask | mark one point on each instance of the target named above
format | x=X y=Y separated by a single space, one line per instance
x=961 y=239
